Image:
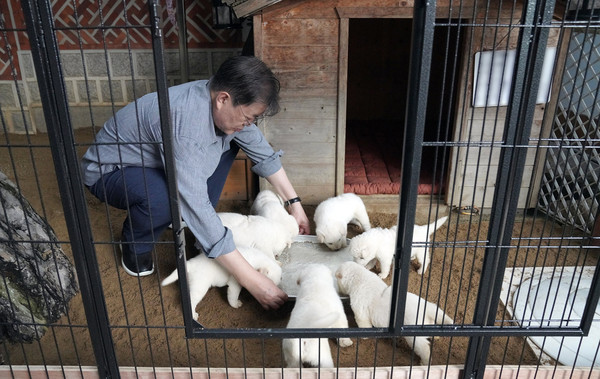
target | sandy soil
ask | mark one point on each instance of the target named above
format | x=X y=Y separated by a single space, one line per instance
x=147 y=320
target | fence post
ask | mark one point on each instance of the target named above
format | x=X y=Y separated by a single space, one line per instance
x=46 y=58
x=416 y=112
x=170 y=169
x=531 y=47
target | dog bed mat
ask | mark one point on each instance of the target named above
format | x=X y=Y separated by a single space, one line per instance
x=373 y=162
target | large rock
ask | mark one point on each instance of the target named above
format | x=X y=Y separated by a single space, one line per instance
x=37 y=281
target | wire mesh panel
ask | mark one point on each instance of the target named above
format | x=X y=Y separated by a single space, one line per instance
x=570 y=183
x=39 y=286
x=490 y=269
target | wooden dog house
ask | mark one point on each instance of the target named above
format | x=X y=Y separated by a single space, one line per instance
x=343 y=67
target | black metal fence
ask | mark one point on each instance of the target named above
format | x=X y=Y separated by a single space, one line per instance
x=515 y=266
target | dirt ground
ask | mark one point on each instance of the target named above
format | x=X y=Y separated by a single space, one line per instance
x=147 y=320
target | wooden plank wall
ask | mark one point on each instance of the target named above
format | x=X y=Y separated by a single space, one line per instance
x=301 y=47
x=303 y=42
x=300 y=41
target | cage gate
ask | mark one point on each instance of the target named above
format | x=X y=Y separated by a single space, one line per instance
x=514 y=265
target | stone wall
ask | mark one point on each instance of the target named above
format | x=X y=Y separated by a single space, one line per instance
x=98 y=83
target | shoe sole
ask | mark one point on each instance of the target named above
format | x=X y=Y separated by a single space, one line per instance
x=132 y=273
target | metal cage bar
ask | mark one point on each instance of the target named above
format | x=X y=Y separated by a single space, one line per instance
x=56 y=111
x=532 y=44
x=534 y=28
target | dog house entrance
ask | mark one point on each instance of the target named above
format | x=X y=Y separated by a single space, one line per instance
x=378 y=76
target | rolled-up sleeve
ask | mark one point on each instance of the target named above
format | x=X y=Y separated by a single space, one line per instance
x=257 y=148
x=223 y=246
x=268 y=166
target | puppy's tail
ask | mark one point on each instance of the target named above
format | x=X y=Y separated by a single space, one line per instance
x=448 y=319
x=172 y=278
x=436 y=313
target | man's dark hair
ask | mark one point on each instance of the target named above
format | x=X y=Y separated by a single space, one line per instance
x=248 y=80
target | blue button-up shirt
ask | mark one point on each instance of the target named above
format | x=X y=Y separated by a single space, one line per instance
x=134 y=138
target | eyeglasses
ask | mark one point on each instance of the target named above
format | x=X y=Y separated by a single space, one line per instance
x=249 y=120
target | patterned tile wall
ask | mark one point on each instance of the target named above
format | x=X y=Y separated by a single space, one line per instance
x=12 y=26
x=106 y=56
x=109 y=24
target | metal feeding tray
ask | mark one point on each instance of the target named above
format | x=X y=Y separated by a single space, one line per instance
x=306 y=250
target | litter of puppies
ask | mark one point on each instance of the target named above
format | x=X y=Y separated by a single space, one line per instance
x=317 y=272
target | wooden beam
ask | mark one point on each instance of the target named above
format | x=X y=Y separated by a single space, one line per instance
x=245 y=8
x=342 y=103
x=374 y=12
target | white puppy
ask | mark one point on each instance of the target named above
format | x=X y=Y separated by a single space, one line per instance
x=376 y=244
x=266 y=235
x=379 y=244
x=422 y=234
x=268 y=204
x=333 y=215
x=370 y=300
x=318 y=305
x=204 y=273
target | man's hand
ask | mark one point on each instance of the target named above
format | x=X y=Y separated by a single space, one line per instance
x=265 y=291
x=260 y=287
x=297 y=211
x=284 y=188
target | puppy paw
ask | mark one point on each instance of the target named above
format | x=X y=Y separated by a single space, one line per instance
x=236 y=304
x=345 y=342
x=363 y=323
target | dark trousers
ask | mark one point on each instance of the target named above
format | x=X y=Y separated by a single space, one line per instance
x=143 y=193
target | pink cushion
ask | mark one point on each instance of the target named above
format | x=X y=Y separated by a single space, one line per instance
x=373 y=164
